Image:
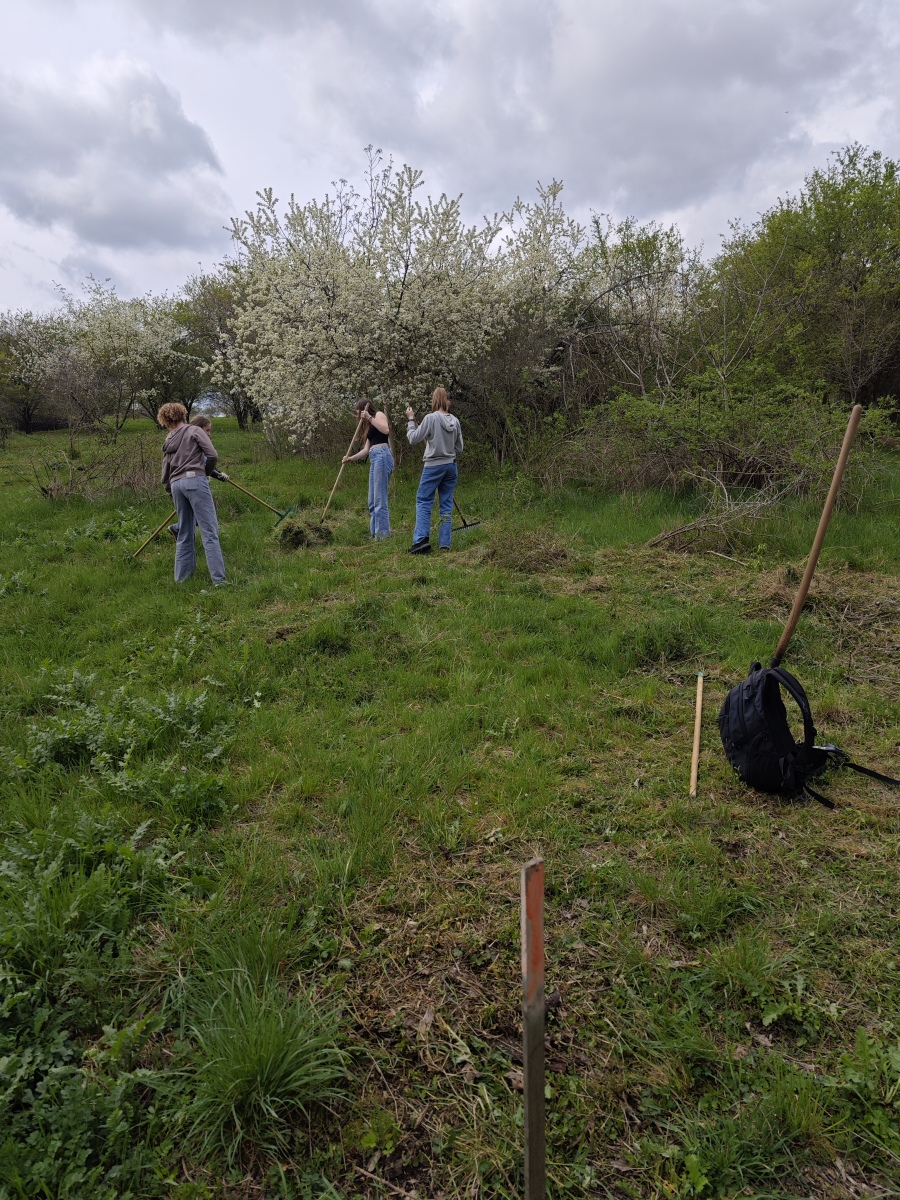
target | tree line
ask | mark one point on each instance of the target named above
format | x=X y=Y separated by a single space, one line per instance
x=608 y=349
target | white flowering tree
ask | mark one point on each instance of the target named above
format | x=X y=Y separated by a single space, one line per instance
x=134 y=355
x=383 y=294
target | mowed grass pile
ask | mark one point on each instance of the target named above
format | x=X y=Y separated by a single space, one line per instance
x=259 y=851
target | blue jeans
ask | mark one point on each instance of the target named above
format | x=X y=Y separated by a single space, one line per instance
x=194 y=505
x=381 y=466
x=441 y=479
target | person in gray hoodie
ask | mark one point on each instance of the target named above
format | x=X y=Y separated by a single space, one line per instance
x=189 y=457
x=441 y=433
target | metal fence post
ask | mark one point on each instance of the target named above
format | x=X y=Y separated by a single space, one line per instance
x=533 y=1027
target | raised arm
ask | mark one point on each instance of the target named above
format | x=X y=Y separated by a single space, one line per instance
x=414 y=433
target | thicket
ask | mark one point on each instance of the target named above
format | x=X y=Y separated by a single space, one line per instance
x=612 y=352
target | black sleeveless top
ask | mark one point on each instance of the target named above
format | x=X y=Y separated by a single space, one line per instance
x=377 y=438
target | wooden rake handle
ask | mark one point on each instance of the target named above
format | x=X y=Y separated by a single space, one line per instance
x=252 y=497
x=158 y=530
x=800 y=600
x=341 y=471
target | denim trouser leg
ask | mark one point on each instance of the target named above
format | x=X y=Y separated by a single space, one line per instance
x=442 y=480
x=446 y=488
x=381 y=465
x=194 y=503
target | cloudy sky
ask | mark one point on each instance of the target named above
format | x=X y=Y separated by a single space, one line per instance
x=132 y=130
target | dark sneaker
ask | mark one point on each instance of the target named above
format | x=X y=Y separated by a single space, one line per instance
x=423 y=547
x=173 y=529
x=443 y=547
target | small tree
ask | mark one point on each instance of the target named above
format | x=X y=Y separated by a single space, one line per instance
x=206 y=311
x=381 y=295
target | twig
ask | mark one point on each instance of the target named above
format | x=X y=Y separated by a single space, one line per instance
x=384 y=1183
x=718 y=554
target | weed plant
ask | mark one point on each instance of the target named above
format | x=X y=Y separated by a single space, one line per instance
x=259 y=851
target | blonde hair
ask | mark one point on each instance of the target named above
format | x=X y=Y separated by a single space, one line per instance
x=440 y=401
x=172 y=414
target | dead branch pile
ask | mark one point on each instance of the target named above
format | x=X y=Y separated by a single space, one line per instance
x=131 y=466
x=730 y=513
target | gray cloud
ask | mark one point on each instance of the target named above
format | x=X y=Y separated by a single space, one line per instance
x=111 y=157
x=695 y=110
x=644 y=106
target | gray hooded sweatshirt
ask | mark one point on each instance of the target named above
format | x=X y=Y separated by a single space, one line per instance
x=187 y=448
x=441 y=433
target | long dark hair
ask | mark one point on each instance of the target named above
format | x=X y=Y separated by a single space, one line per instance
x=366 y=406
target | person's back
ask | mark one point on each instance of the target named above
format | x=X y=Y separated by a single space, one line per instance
x=442 y=433
x=189 y=457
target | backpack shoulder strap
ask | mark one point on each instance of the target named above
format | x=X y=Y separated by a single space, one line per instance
x=795 y=688
x=808 y=791
x=871 y=774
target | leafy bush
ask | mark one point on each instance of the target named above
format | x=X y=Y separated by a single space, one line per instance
x=75 y=1121
x=870 y=1079
x=15 y=584
x=107 y=731
x=74 y=1129
x=68 y=901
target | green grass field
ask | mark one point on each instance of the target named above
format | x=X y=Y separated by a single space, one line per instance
x=261 y=849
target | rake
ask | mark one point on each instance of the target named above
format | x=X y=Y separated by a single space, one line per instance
x=465 y=524
x=281 y=515
x=341 y=471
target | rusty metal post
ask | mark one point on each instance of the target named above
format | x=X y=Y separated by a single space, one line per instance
x=533 y=1027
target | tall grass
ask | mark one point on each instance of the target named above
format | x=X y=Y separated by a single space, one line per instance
x=225 y=816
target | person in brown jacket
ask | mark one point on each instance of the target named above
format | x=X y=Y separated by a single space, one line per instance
x=189 y=458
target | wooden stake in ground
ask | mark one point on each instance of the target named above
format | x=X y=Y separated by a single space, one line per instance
x=533 y=1026
x=341 y=471
x=800 y=600
x=698 y=717
x=156 y=531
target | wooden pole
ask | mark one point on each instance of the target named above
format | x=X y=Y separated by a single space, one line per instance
x=341 y=471
x=533 y=1027
x=159 y=529
x=800 y=600
x=698 y=717
x=256 y=498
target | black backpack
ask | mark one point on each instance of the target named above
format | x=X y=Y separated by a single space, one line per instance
x=760 y=746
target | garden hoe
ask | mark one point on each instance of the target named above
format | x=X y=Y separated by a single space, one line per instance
x=465 y=524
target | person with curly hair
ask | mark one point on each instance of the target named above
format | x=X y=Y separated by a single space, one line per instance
x=189 y=458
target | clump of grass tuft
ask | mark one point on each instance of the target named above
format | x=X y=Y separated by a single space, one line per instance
x=745 y=966
x=264 y=1057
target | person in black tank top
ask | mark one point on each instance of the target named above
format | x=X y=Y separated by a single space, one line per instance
x=377 y=449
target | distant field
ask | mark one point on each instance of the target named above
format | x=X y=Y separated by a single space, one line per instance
x=259 y=850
